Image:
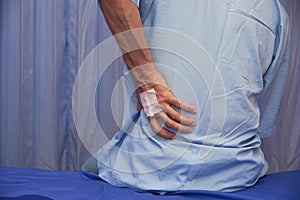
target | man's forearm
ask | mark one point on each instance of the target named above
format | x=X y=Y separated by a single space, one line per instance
x=121 y=16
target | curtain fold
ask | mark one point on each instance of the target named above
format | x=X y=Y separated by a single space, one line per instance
x=282 y=149
x=43 y=43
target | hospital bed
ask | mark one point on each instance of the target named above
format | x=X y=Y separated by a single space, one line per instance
x=31 y=184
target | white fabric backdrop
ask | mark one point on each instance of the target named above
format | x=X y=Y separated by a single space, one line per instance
x=42 y=45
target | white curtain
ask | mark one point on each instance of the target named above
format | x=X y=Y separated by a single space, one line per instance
x=43 y=43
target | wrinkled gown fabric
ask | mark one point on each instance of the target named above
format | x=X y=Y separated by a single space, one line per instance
x=237 y=88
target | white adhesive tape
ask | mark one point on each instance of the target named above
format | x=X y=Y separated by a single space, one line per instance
x=149 y=103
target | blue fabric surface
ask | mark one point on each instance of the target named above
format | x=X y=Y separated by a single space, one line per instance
x=44 y=184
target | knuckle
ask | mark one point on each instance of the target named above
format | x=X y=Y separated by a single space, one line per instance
x=177 y=102
x=170 y=123
x=175 y=115
x=162 y=117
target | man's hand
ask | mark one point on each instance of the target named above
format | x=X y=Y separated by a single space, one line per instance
x=172 y=118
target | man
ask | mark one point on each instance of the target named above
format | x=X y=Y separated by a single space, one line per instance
x=222 y=107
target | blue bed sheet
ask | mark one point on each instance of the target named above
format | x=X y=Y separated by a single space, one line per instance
x=20 y=183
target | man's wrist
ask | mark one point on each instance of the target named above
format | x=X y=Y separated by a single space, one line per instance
x=147 y=77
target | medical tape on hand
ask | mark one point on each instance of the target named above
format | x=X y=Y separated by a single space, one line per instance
x=149 y=103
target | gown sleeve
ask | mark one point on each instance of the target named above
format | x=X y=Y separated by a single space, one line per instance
x=274 y=79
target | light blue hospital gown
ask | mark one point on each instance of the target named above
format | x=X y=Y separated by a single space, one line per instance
x=247 y=40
